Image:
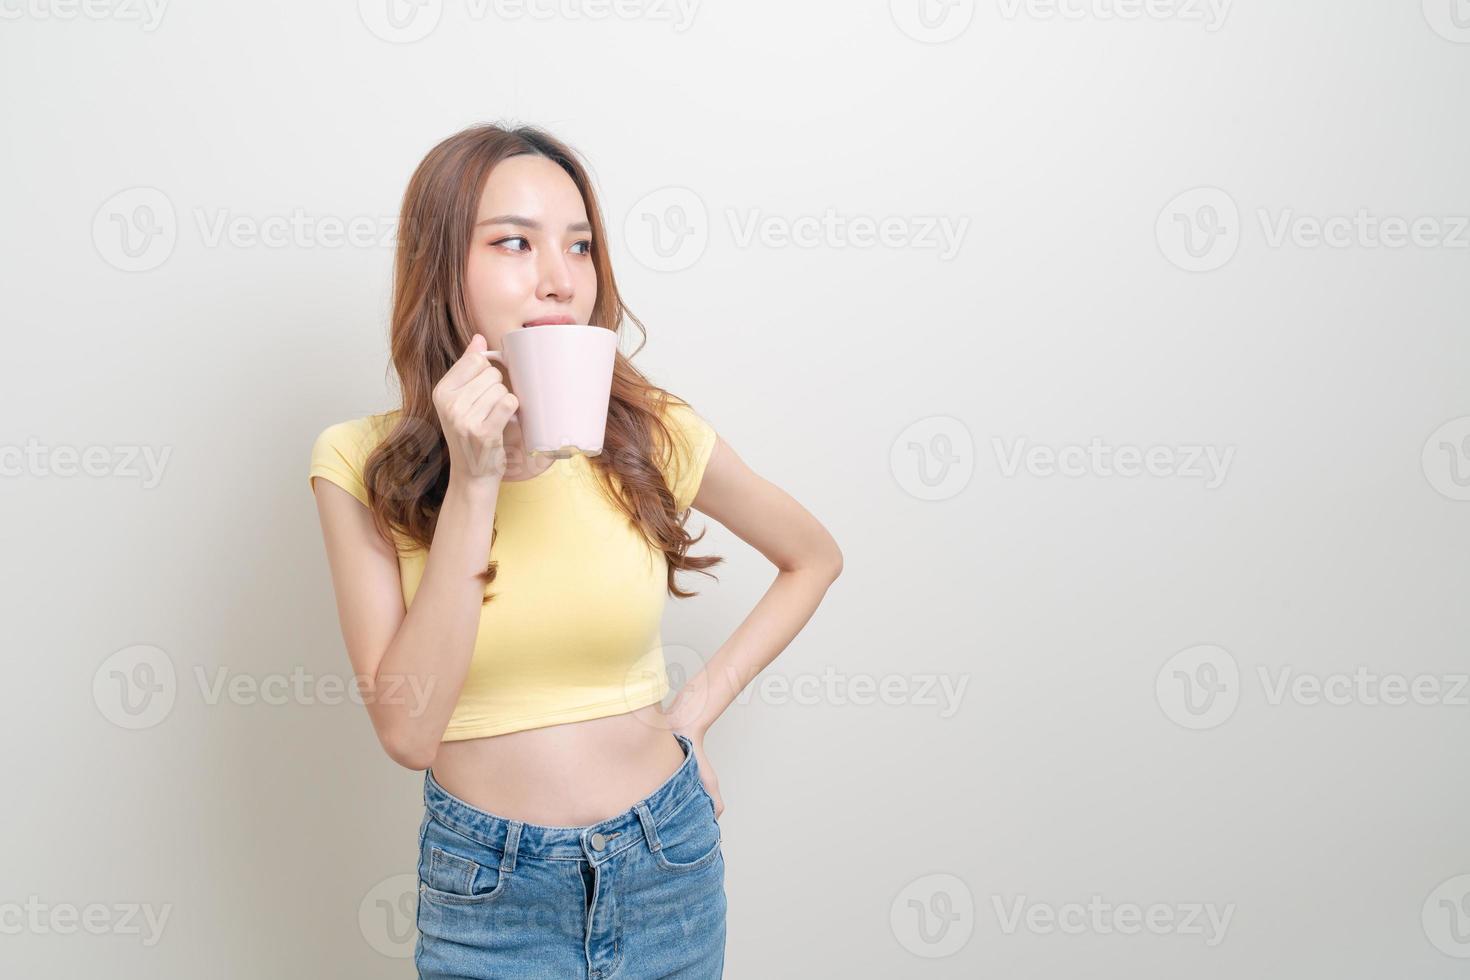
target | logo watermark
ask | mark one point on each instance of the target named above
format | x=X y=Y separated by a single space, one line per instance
x=1446 y=917
x=938 y=21
x=938 y=233
x=1450 y=19
x=933 y=916
x=1201 y=686
x=407 y=21
x=1200 y=230
x=136 y=230
x=1362 y=686
x=690 y=678
x=39 y=460
x=942 y=692
x=669 y=229
x=148 y=14
x=39 y=918
x=1446 y=458
x=933 y=458
x=137 y=687
x=1098 y=917
x=1210 y=14
x=1206 y=463
x=387 y=916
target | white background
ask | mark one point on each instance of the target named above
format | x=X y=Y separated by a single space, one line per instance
x=872 y=382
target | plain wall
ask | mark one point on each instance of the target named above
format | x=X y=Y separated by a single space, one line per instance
x=1037 y=687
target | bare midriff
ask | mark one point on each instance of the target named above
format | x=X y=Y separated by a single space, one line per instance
x=567 y=775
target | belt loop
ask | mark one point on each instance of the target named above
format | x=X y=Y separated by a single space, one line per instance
x=512 y=843
x=646 y=818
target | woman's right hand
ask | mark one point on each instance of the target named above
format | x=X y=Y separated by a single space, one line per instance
x=474 y=406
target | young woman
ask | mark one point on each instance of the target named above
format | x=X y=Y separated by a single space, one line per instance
x=571 y=823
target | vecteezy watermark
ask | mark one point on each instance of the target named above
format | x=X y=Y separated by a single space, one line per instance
x=941 y=691
x=120 y=462
x=1446 y=458
x=1446 y=917
x=925 y=232
x=681 y=664
x=137 y=229
x=1362 y=686
x=1102 y=918
x=937 y=21
x=1363 y=229
x=407 y=21
x=668 y=230
x=1201 y=686
x=137 y=687
x=148 y=13
x=933 y=916
x=39 y=918
x=1201 y=229
x=387 y=916
x=932 y=21
x=1210 y=464
x=1209 y=13
x=1450 y=19
x=933 y=458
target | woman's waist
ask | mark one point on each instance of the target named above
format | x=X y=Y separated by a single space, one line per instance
x=565 y=775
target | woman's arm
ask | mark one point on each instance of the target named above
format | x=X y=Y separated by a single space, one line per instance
x=807 y=559
x=410 y=666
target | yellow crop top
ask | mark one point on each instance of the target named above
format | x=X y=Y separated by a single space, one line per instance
x=573 y=630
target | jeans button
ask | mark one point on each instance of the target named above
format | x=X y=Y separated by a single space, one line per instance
x=598 y=841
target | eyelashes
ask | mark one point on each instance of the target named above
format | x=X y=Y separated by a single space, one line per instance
x=521 y=238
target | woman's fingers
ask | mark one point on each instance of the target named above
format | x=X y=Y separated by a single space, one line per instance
x=469 y=366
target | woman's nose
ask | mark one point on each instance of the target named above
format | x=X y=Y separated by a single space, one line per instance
x=556 y=278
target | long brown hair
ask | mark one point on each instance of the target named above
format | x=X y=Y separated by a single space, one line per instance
x=407 y=474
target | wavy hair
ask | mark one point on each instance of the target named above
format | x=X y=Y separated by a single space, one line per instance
x=407 y=474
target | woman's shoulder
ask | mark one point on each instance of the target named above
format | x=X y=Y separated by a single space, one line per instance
x=366 y=430
x=342 y=448
x=685 y=458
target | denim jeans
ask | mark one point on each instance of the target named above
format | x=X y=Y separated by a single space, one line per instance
x=641 y=894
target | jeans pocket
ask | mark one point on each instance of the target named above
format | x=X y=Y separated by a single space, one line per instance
x=453 y=879
x=690 y=839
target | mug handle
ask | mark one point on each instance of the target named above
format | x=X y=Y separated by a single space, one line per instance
x=499 y=358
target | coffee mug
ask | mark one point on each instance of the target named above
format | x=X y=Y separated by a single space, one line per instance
x=561 y=373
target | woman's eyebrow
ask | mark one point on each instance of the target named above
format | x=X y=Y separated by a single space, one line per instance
x=515 y=219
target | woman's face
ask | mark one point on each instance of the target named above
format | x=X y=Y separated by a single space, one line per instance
x=530 y=254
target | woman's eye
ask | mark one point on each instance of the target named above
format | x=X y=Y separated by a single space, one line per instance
x=584 y=244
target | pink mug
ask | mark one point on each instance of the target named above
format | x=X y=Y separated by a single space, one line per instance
x=562 y=375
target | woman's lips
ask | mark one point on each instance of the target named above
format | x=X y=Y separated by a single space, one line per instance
x=542 y=321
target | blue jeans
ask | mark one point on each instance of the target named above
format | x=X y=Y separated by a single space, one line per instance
x=641 y=894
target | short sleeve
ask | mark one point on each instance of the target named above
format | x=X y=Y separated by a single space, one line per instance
x=694 y=442
x=339 y=455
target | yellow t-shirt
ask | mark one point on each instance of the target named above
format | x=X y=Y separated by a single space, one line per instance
x=573 y=630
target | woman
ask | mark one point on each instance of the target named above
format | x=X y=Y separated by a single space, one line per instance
x=571 y=823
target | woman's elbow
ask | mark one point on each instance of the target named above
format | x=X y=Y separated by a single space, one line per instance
x=408 y=749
